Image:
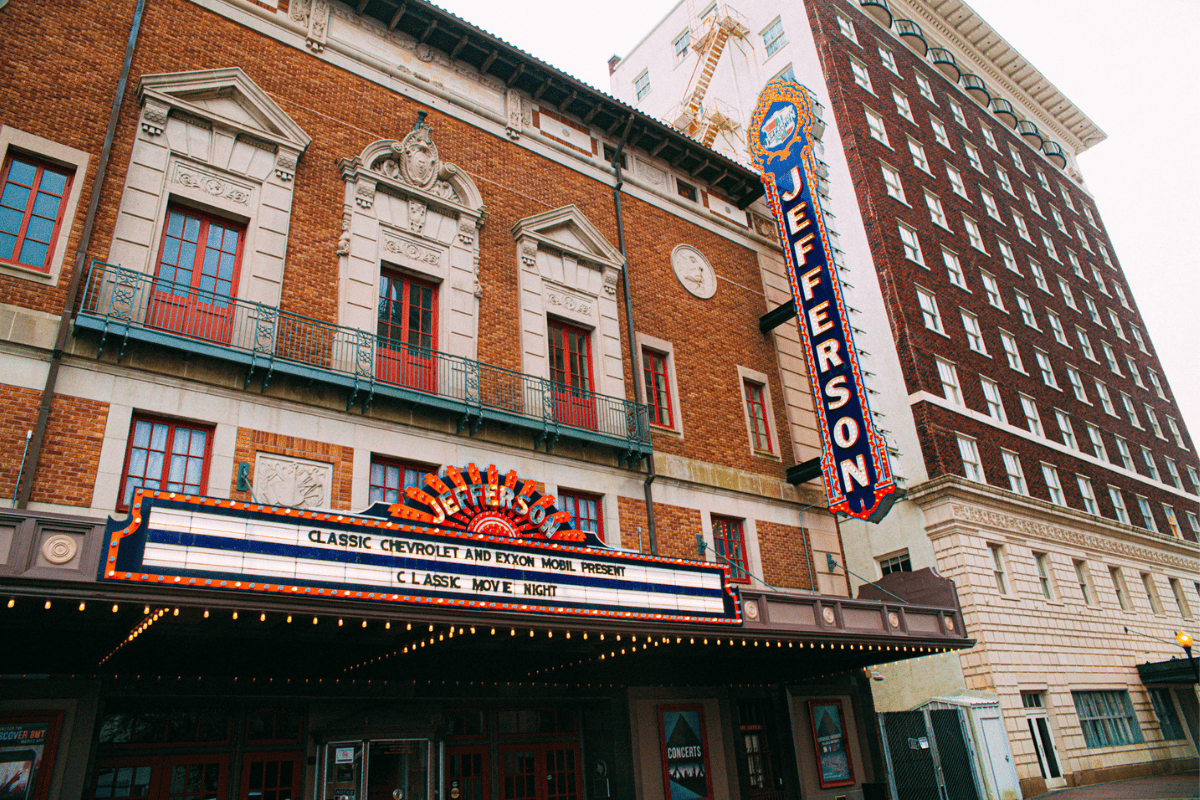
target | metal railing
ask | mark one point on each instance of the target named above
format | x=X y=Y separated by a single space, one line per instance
x=134 y=305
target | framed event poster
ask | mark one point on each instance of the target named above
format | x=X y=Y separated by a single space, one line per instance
x=829 y=738
x=28 y=745
x=684 y=752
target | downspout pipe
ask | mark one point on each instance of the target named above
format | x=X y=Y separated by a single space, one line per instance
x=25 y=487
x=639 y=390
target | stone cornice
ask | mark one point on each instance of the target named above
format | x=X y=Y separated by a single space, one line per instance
x=1055 y=114
x=982 y=506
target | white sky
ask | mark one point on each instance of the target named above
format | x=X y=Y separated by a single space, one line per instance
x=1131 y=69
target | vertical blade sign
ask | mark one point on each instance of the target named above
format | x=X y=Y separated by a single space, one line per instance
x=854 y=459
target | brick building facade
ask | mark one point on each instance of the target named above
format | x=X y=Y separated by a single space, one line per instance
x=321 y=258
x=1048 y=468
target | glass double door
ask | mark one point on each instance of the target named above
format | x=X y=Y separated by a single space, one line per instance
x=542 y=771
x=265 y=776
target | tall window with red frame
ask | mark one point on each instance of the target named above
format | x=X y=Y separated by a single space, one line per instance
x=658 y=388
x=756 y=407
x=31 y=209
x=584 y=510
x=389 y=479
x=198 y=266
x=164 y=454
x=407 y=331
x=571 y=371
x=730 y=543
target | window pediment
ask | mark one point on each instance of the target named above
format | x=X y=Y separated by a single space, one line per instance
x=224 y=97
x=568 y=231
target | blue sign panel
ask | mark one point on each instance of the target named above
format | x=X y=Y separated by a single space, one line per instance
x=854 y=459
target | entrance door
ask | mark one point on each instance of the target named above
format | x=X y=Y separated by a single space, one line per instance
x=197 y=272
x=407 y=332
x=271 y=776
x=1043 y=743
x=546 y=771
x=191 y=777
x=571 y=371
x=467 y=775
x=398 y=770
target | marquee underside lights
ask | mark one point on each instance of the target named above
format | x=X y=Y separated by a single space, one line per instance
x=472 y=540
x=854 y=459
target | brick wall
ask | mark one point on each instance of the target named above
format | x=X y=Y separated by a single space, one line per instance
x=787 y=562
x=675 y=527
x=899 y=276
x=20 y=412
x=70 y=451
x=251 y=442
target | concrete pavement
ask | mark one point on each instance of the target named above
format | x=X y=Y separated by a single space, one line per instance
x=1184 y=786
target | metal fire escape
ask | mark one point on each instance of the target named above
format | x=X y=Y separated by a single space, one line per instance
x=711 y=36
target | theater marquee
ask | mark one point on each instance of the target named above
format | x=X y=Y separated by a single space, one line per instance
x=469 y=539
x=854 y=459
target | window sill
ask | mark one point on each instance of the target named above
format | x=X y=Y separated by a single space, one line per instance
x=766 y=454
x=17 y=270
x=674 y=433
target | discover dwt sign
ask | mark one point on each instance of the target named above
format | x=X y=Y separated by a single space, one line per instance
x=854 y=459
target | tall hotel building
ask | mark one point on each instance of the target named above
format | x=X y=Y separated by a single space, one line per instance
x=1047 y=468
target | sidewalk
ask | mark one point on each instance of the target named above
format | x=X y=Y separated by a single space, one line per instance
x=1185 y=786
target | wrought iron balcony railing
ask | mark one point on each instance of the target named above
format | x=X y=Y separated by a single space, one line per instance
x=266 y=341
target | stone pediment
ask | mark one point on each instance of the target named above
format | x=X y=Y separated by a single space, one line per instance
x=224 y=97
x=568 y=230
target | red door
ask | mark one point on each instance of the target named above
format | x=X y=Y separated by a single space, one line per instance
x=197 y=269
x=467 y=773
x=571 y=371
x=271 y=776
x=549 y=771
x=407 y=332
x=191 y=777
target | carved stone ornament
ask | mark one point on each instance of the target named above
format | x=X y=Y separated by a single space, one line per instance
x=364 y=194
x=949 y=623
x=512 y=104
x=827 y=615
x=154 y=117
x=417 y=156
x=751 y=609
x=410 y=250
x=285 y=166
x=416 y=215
x=59 y=549
x=293 y=482
x=610 y=280
x=893 y=619
x=529 y=254
x=569 y=302
x=343 y=243
x=298 y=10
x=217 y=187
x=318 y=25
x=693 y=271
x=466 y=230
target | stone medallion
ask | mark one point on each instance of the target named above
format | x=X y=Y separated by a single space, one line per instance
x=693 y=271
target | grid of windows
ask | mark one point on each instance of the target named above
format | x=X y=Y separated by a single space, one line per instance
x=1022 y=229
x=756 y=407
x=888 y=60
x=1033 y=420
x=861 y=76
x=1088 y=495
x=896 y=563
x=167 y=455
x=891 y=182
x=912 y=245
x=1056 y=328
x=658 y=387
x=989 y=203
x=730 y=543
x=1147 y=514
x=32 y=201
x=924 y=87
x=1083 y=580
x=929 y=310
x=998 y=572
x=389 y=479
x=641 y=84
x=972 y=466
x=920 y=161
x=847 y=28
x=936 y=213
x=1043 y=362
x=954 y=268
x=1002 y=176
x=991 y=395
x=1016 y=475
x=974 y=334
x=1041 y=562
x=957 y=111
x=992 y=289
x=1033 y=202
x=1098 y=448
x=973 y=233
x=773 y=38
x=1118 y=583
x=948 y=375
x=1065 y=429
x=956 y=181
x=1026 y=309
x=1039 y=277
x=875 y=126
x=972 y=155
x=681 y=46
x=1053 y=485
x=939 y=132
x=902 y=106
x=1009 y=343
x=584 y=510
x=1076 y=383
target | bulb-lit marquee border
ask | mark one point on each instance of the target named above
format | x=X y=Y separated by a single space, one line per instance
x=464 y=530
x=854 y=459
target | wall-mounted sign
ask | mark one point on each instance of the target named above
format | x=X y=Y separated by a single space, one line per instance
x=831 y=743
x=468 y=539
x=684 y=752
x=854 y=459
x=28 y=746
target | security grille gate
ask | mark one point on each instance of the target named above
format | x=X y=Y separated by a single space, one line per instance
x=929 y=755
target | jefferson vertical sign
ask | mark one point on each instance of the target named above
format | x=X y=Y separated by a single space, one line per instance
x=854 y=459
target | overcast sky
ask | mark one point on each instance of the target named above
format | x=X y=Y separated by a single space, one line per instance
x=1131 y=69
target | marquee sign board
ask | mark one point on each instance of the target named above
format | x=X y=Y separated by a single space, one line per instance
x=470 y=539
x=854 y=459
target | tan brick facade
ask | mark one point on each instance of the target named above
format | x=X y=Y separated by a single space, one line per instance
x=71 y=452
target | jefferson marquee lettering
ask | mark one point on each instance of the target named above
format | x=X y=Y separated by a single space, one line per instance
x=854 y=459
